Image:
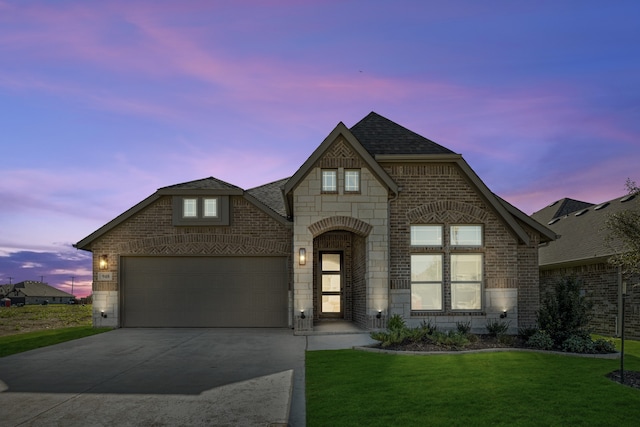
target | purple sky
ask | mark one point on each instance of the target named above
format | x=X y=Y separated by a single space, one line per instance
x=102 y=103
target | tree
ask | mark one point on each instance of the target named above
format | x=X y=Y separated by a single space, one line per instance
x=624 y=235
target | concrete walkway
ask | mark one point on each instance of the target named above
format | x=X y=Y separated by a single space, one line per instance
x=167 y=377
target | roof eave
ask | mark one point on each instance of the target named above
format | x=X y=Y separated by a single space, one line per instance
x=200 y=191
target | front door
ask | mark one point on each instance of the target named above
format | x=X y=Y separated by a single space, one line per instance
x=331 y=284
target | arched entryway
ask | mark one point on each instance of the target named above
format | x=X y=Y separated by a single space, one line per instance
x=339 y=272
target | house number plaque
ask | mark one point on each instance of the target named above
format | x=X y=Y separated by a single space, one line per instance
x=105 y=276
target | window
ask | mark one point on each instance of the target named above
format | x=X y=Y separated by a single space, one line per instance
x=466 y=281
x=201 y=210
x=466 y=235
x=190 y=208
x=330 y=181
x=426 y=235
x=352 y=181
x=426 y=282
x=210 y=207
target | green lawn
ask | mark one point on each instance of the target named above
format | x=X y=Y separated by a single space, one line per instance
x=351 y=388
x=18 y=343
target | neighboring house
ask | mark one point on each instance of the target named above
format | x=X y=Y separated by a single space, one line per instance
x=378 y=221
x=582 y=252
x=32 y=292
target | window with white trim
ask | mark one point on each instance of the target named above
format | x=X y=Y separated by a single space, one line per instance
x=329 y=180
x=466 y=235
x=457 y=269
x=426 y=282
x=352 y=180
x=426 y=235
x=466 y=281
x=190 y=208
x=210 y=206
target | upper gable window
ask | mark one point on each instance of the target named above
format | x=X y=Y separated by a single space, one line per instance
x=190 y=208
x=210 y=207
x=352 y=181
x=466 y=235
x=201 y=210
x=329 y=180
x=426 y=235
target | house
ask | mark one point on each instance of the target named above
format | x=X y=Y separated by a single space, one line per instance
x=582 y=252
x=32 y=292
x=377 y=221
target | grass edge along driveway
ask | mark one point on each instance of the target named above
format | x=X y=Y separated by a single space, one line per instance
x=18 y=343
x=351 y=388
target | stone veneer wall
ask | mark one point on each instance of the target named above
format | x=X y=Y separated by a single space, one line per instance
x=151 y=232
x=437 y=193
x=602 y=287
x=364 y=214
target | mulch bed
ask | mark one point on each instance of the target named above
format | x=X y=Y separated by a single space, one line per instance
x=631 y=378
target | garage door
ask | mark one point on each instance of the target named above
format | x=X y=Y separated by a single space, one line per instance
x=204 y=291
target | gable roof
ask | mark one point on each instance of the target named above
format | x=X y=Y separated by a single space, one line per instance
x=582 y=233
x=379 y=135
x=340 y=129
x=208 y=186
x=32 y=288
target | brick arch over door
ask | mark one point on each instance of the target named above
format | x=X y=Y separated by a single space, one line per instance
x=346 y=223
x=447 y=211
x=204 y=244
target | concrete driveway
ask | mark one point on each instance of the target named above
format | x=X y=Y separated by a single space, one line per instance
x=158 y=377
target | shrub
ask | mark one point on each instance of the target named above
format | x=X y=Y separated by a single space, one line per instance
x=604 y=346
x=497 y=327
x=564 y=312
x=578 y=344
x=453 y=340
x=541 y=340
x=428 y=326
x=527 y=332
x=464 y=327
x=396 y=322
x=391 y=337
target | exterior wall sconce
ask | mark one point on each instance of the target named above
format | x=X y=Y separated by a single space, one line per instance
x=302 y=256
x=302 y=316
x=103 y=264
x=379 y=315
x=103 y=314
x=504 y=314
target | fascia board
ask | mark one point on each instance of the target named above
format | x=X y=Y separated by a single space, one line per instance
x=200 y=192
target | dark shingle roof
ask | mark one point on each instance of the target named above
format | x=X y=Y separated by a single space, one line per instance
x=559 y=209
x=379 y=135
x=582 y=232
x=271 y=196
x=210 y=183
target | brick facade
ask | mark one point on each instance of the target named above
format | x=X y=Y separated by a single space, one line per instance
x=438 y=193
x=602 y=283
x=151 y=232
